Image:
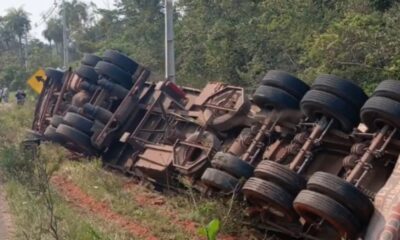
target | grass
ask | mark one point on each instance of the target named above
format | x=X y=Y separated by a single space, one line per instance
x=29 y=194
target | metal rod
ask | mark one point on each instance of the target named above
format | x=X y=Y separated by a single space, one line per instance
x=65 y=35
x=300 y=157
x=324 y=132
x=67 y=79
x=169 y=41
x=368 y=155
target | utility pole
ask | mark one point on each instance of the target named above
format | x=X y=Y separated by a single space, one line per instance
x=26 y=51
x=65 y=35
x=169 y=41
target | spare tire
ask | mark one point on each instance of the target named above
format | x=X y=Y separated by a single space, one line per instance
x=121 y=60
x=287 y=82
x=343 y=88
x=274 y=98
x=316 y=104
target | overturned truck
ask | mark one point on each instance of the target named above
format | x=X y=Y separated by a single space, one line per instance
x=297 y=155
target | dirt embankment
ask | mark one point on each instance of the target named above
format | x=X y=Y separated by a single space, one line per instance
x=83 y=201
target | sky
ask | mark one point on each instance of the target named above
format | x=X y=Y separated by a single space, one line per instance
x=37 y=8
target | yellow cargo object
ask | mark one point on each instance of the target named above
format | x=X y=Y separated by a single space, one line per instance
x=36 y=81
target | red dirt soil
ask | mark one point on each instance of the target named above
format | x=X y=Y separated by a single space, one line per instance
x=155 y=201
x=81 y=200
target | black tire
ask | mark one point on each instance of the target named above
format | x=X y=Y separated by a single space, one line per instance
x=121 y=60
x=114 y=73
x=344 y=193
x=313 y=206
x=281 y=175
x=87 y=73
x=379 y=111
x=274 y=98
x=345 y=89
x=56 y=120
x=79 y=122
x=316 y=104
x=287 y=82
x=389 y=89
x=263 y=193
x=55 y=75
x=219 y=180
x=98 y=113
x=90 y=60
x=113 y=89
x=51 y=135
x=232 y=165
x=80 y=140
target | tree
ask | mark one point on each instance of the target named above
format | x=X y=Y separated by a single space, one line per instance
x=17 y=21
x=54 y=33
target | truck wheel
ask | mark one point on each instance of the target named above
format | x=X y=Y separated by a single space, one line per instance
x=287 y=82
x=232 y=165
x=121 y=60
x=88 y=74
x=389 y=89
x=316 y=104
x=80 y=140
x=270 y=195
x=274 y=98
x=98 y=113
x=219 y=180
x=342 y=192
x=281 y=175
x=379 y=111
x=55 y=75
x=90 y=60
x=79 y=122
x=313 y=207
x=114 y=73
x=51 y=135
x=56 y=120
x=344 y=89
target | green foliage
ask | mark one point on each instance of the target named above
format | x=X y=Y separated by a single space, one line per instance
x=230 y=41
x=211 y=230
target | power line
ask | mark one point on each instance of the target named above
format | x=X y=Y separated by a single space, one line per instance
x=47 y=15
